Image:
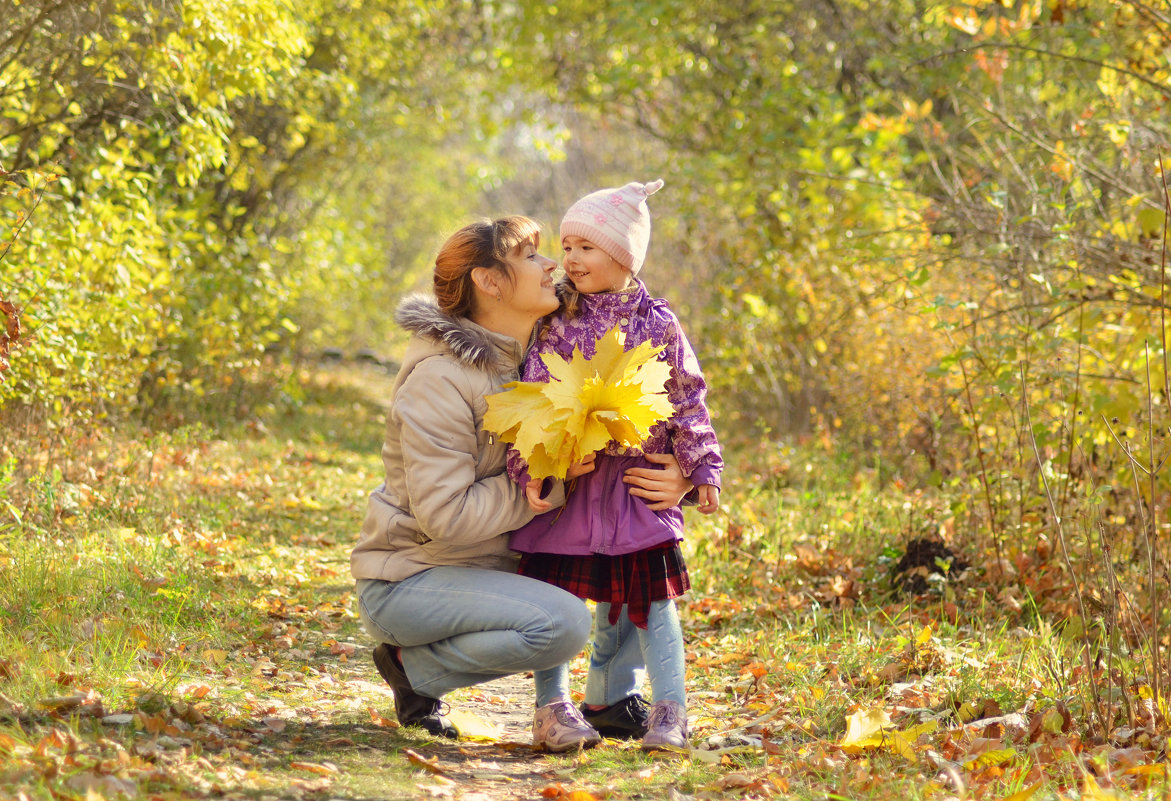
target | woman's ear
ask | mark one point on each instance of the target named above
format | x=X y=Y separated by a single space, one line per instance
x=485 y=281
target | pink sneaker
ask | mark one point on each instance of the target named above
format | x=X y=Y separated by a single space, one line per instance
x=666 y=727
x=560 y=727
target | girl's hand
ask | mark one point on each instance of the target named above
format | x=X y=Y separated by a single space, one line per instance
x=533 y=488
x=586 y=465
x=663 y=487
x=533 y=496
x=709 y=498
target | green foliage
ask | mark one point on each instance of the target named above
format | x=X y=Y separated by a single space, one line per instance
x=895 y=235
x=194 y=585
x=922 y=241
x=922 y=235
x=212 y=201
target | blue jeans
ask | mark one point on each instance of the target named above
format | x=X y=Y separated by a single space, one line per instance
x=619 y=654
x=459 y=626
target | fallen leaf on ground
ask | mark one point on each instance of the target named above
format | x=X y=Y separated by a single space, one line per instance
x=864 y=730
x=1025 y=794
x=736 y=780
x=430 y=765
x=1092 y=791
x=100 y=786
x=472 y=727
x=84 y=703
x=337 y=648
x=559 y=793
x=321 y=769
x=1147 y=770
x=714 y=756
x=378 y=720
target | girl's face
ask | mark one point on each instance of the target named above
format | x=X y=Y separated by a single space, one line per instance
x=590 y=268
x=531 y=293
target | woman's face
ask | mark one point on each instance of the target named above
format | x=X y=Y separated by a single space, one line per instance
x=532 y=292
x=590 y=268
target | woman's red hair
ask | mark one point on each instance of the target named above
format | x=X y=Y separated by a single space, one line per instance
x=485 y=243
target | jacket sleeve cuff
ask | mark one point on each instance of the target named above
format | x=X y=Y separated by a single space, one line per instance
x=705 y=474
x=553 y=491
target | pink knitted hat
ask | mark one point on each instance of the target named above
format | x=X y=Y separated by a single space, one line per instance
x=616 y=220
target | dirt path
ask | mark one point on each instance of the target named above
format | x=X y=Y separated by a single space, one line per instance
x=490 y=771
x=356 y=738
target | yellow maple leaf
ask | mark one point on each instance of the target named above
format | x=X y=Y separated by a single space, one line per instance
x=1092 y=791
x=617 y=395
x=989 y=758
x=903 y=742
x=473 y=727
x=1025 y=794
x=506 y=410
x=864 y=730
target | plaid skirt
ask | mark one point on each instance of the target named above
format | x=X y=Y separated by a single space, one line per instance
x=631 y=579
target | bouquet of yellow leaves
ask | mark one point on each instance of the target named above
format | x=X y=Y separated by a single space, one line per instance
x=617 y=395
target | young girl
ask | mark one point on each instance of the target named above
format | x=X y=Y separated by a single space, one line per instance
x=605 y=545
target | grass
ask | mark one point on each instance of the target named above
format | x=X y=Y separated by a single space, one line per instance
x=176 y=621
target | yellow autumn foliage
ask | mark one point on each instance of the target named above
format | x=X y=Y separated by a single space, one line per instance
x=617 y=395
x=865 y=730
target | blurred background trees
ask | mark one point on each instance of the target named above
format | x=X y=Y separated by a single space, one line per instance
x=903 y=229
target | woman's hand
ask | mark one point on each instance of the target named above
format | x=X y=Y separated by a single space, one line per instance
x=662 y=487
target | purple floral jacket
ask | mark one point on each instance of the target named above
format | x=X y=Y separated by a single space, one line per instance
x=688 y=433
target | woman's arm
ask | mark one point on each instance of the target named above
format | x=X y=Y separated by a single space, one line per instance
x=437 y=433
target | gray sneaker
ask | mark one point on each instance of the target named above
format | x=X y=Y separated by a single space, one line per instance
x=666 y=727
x=560 y=727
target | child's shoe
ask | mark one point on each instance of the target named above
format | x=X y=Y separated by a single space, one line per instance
x=560 y=727
x=666 y=726
x=624 y=720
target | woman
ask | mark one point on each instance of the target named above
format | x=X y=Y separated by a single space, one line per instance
x=436 y=581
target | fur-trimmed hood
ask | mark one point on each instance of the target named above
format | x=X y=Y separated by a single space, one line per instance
x=466 y=341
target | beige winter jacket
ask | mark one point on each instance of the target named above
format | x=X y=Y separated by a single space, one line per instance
x=447 y=499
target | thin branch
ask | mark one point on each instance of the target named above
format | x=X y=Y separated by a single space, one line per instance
x=1166 y=90
x=26 y=32
x=993 y=524
x=1037 y=142
x=1163 y=282
x=1160 y=21
x=1149 y=526
x=1057 y=522
x=1123 y=446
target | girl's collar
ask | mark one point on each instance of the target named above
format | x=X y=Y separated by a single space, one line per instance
x=633 y=291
